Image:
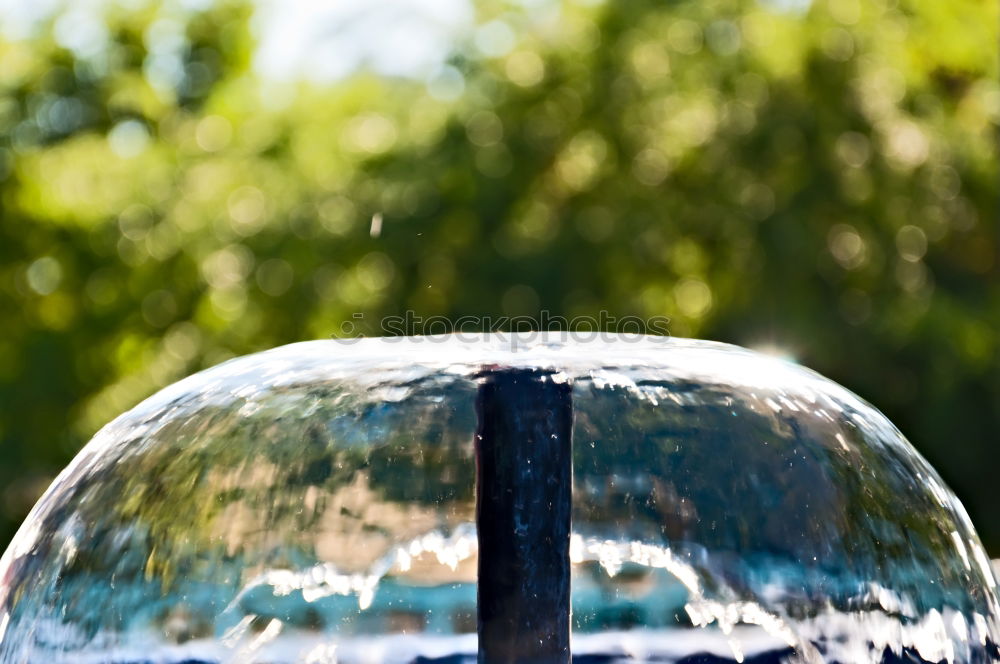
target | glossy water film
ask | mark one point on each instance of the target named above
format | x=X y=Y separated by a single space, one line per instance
x=317 y=503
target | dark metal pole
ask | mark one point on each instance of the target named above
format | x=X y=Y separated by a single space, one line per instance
x=523 y=504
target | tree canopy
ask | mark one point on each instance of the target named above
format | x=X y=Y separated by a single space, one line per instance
x=816 y=177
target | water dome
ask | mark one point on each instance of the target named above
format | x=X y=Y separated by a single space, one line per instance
x=506 y=498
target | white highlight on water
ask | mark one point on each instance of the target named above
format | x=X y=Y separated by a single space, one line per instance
x=742 y=627
x=325 y=580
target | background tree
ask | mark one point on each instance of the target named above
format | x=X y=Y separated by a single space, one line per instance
x=818 y=178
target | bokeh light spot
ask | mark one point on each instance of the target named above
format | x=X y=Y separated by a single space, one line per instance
x=43 y=275
x=373 y=133
x=911 y=242
x=159 y=308
x=213 y=133
x=650 y=167
x=525 y=68
x=247 y=208
x=853 y=148
x=274 y=276
x=694 y=297
x=495 y=39
x=685 y=36
x=847 y=246
x=484 y=128
x=128 y=139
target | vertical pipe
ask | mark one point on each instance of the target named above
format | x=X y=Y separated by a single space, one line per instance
x=523 y=504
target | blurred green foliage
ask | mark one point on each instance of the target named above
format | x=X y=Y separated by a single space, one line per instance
x=820 y=179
